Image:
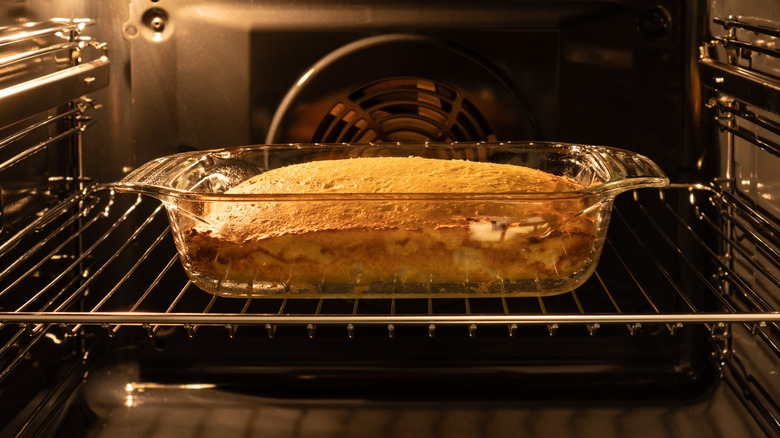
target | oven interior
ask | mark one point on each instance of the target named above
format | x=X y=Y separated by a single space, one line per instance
x=101 y=333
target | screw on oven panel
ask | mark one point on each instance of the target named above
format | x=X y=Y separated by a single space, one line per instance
x=157 y=24
x=156 y=20
x=655 y=23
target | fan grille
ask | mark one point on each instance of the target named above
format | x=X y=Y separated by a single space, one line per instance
x=403 y=109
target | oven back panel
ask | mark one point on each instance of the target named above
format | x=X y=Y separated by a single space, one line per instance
x=223 y=73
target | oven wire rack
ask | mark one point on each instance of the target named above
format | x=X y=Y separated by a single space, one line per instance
x=93 y=219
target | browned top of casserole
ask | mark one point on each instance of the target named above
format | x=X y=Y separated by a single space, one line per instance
x=242 y=221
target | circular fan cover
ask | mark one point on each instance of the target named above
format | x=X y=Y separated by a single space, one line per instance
x=403 y=109
x=401 y=88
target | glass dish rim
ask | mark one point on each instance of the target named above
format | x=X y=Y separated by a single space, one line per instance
x=613 y=185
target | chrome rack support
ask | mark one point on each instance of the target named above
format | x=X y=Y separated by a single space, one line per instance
x=21 y=101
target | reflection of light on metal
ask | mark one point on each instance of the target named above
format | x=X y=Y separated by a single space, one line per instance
x=129 y=399
x=188 y=386
x=199 y=386
x=54 y=338
x=131 y=389
x=305 y=77
x=157 y=37
x=140 y=387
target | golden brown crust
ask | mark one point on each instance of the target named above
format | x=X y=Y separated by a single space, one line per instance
x=310 y=242
x=241 y=222
x=403 y=175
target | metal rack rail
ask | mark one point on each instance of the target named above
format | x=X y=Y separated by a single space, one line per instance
x=63 y=80
x=45 y=73
x=733 y=25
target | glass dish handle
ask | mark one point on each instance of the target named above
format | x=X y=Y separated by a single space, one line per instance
x=630 y=171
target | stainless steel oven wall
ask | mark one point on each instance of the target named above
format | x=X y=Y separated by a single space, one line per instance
x=740 y=65
x=24 y=59
x=108 y=151
x=745 y=37
x=48 y=62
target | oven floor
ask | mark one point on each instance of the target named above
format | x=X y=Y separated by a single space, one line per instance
x=124 y=409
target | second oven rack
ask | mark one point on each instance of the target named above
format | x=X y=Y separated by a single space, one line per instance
x=139 y=282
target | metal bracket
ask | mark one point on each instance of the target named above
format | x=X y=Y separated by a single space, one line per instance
x=721 y=341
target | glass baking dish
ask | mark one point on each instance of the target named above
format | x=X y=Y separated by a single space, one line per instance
x=417 y=243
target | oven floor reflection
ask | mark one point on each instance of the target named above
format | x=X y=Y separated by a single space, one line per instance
x=119 y=408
